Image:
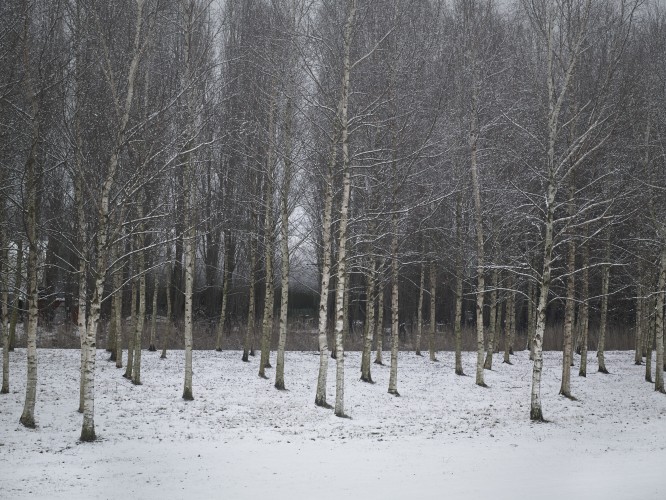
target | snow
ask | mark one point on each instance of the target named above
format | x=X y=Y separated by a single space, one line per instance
x=444 y=437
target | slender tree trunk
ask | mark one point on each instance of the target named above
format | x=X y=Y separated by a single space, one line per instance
x=320 y=398
x=638 y=355
x=531 y=317
x=419 y=311
x=118 y=311
x=536 y=412
x=18 y=283
x=169 y=319
x=488 y=364
x=5 y=300
x=248 y=345
x=457 y=322
x=509 y=318
x=585 y=311
x=28 y=415
x=139 y=321
x=267 y=322
x=369 y=327
x=395 y=332
x=284 y=248
x=433 y=311
x=188 y=252
x=82 y=241
x=605 y=278
x=649 y=342
x=153 y=318
x=659 y=324
x=88 y=426
x=380 y=322
x=478 y=220
x=131 y=337
x=569 y=311
x=225 y=289
x=344 y=214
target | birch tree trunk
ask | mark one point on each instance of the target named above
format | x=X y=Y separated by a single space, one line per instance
x=82 y=237
x=569 y=311
x=649 y=342
x=28 y=415
x=133 y=318
x=138 y=324
x=267 y=322
x=419 y=311
x=168 y=324
x=659 y=324
x=369 y=327
x=344 y=214
x=225 y=289
x=509 y=318
x=380 y=322
x=457 y=322
x=605 y=278
x=188 y=253
x=488 y=364
x=153 y=317
x=251 y=312
x=118 y=311
x=531 y=317
x=433 y=311
x=395 y=333
x=284 y=248
x=4 y=243
x=638 y=354
x=88 y=427
x=320 y=397
x=585 y=311
x=18 y=283
x=478 y=220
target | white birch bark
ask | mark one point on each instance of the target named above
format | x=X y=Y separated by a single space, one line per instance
x=118 y=311
x=659 y=324
x=130 y=337
x=509 y=318
x=419 y=311
x=369 y=327
x=284 y=248
x=433 y=310
x=344 y=214
x=605 y=279
x=320 y=397
x=395 y=332
x=569 y=310
x=4 y=243
x=88 y=427
x=251 y=312
x=267 y=321
x=585 y=311
x=31 y=178
x=153 y=317
x=488 y=363
x=478 y=220
x=168 y=324
x=225 y=289
x=380 y=321
x=457 y=326
x=141 y=313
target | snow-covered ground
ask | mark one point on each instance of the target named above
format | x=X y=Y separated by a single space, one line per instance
x=444 y=437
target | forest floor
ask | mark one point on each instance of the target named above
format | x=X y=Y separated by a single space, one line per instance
x=444 y=437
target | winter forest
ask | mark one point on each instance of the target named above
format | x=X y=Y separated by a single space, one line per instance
x=379 y=190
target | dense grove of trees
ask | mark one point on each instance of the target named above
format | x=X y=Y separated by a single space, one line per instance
x=500 y=165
